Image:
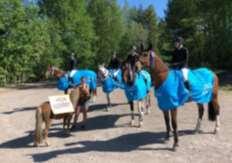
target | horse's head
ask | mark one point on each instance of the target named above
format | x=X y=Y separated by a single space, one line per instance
x=147 y=58
x=53 y=71
x=103 y=71
x=128 y=73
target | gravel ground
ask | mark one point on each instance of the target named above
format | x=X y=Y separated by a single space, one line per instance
x=108 y=137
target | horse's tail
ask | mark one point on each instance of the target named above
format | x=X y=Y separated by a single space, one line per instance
x=38 y=127
x=213 y=106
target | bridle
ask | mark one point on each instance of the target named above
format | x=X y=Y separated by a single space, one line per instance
x=152 y=59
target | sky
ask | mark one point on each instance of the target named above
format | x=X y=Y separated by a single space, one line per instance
x=160 y=5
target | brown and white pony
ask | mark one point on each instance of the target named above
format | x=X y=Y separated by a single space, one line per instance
x=159 y=71
x=44 y=115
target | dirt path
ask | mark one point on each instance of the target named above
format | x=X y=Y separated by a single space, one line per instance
x=108 y=137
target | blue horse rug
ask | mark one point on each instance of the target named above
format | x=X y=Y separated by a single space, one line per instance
x=112 y=81
x=76 y=75
x=172 y=93
x=139 y=90
x=147 y=78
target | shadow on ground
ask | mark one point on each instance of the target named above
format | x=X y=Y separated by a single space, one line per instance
x=15 y=110
x=123 y=143
x=94 y=107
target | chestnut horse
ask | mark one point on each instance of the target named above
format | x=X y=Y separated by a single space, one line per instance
x=136 y=89
x=44 y=115
x=160 y=71
x=64 y=78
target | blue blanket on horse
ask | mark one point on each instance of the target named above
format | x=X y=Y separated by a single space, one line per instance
x=112 y=82
x=147 y=78
x=90 y=76
x=172 y=93
x=139 y=90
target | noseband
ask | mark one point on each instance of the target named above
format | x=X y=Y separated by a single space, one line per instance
x=152 y=59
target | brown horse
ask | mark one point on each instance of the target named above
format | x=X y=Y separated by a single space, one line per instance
x=159 y=72
x=134 y=84
x=57 y=73
x=44 y=115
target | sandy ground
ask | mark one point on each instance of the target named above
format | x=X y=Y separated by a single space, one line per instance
x=108 y=137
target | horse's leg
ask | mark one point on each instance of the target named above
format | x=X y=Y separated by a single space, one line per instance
x=69 y=121
x=38 y=127
x=64 y=122
x=140 y=108
x=47 y=126
x=84 y=117
x=148 y=103
x=108 y=101
x=200 y=116
x=215 y=105
x=175 y=128
x=217 y=112
x=77 y=112
x=132 y=113
x=94 y=95
x=167 y=123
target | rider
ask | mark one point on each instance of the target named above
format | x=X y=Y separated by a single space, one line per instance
x=72 y=62
x=180 y=59
x=114 y=62
x=70 y=71
x=115 y=65
x=132 y=55
x=71 y=67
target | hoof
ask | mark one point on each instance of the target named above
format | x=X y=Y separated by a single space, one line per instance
x=198 y=131
x=132 y=123
x=140 y=124
x=107 y=109
x=47 y=144
x=35 y=145
x=216 y=131
x=167 y=138
x=175 y=147
x=148 y=111
x=73 y=127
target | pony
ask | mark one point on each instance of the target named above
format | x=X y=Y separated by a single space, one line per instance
x=73 y=78
x=44 y=115
x=136 y=89
x=171 y=92
x=111 y=79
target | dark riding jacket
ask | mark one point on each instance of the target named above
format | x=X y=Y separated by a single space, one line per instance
x=180 y=58
x=114 y=63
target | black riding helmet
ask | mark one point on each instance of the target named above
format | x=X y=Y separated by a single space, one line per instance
x=179 y=40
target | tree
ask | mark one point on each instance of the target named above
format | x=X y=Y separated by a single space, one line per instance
x=73 y=29
x=23 y=40
x=108 y=25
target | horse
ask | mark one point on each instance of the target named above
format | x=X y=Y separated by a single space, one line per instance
x=136 y=89
x=166 y=94
x=111 y=79
x=44 y=115
x=73 y=78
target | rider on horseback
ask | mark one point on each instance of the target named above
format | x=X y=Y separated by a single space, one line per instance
x=115 y=65
x=71 y=67
x=180 y=59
